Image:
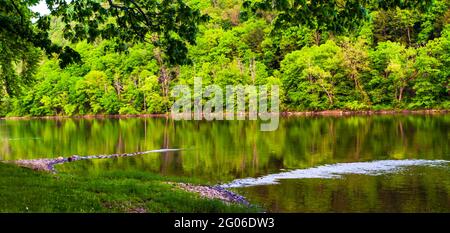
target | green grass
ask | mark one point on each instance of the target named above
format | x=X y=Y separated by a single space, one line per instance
x=25 y=190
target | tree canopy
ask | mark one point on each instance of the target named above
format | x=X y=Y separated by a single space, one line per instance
x=170 y=25
x=122 y=57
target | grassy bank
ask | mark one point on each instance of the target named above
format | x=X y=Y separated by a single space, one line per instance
x=25 y=190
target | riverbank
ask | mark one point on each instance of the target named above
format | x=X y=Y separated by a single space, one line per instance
x=25 y=190
x=205 y=191
x=284 y=114
x=367 y=112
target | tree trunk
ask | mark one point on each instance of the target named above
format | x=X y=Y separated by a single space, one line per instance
x=400 y=95
x=164 y=80
x=329 y=94
x=317 y=38
x=145 y=104
x=253 y=70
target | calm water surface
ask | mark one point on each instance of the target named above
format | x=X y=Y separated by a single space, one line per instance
x=225 y=151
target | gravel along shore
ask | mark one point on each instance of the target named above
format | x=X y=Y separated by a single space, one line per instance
x=213 y=192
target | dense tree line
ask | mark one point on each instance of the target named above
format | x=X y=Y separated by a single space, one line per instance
x=339 y=54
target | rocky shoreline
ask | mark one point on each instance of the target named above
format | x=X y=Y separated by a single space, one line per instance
x=337 y=112
x=365 y=112
x=214 y=192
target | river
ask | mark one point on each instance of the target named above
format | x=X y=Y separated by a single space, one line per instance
x=380 y=163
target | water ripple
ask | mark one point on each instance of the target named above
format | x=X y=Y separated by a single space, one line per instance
x=334 y=171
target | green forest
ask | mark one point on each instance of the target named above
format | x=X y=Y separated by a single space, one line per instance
x=123 y=57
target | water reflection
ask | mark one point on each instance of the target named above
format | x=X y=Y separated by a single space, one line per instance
x=225 y=150
x=222 y=151
x=420 y=189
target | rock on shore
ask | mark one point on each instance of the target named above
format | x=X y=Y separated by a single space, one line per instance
x=214 y=192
